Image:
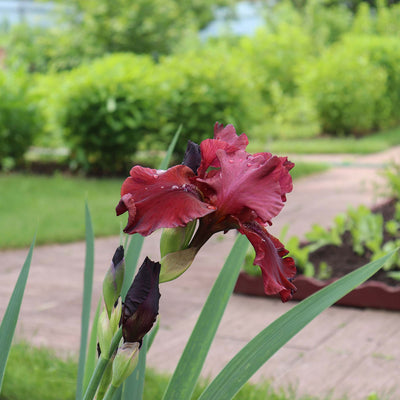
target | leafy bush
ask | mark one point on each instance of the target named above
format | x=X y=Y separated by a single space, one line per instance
x=18 y=119
x=381 y=20
x=41 y=49
x=348 y=91
x=206 y=86
x=141 y=26
x=323 y=23
x=275 y=56
x=105 y=108
x=111 y=108
x=384 y=52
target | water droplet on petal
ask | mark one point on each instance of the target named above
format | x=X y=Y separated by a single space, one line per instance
x=231 y=161
x=249 y=164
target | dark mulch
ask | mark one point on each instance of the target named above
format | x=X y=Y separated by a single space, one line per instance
x=343 y=260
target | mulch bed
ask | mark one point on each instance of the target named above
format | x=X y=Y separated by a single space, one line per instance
x=343 y=260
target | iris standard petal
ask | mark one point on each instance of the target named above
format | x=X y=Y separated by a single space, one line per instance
x=249 y=182
x=224 y=138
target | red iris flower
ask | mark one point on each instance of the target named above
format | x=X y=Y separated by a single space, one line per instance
x=225 y=188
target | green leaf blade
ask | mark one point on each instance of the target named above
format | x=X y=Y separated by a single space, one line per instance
x=188 y=370
x=171 y=147
x=248 y=360
x=91 y=357
x=9 y=322
x=87 y=300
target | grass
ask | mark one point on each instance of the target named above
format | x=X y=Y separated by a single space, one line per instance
x=38 y=374
x=329 y=145
x=54 y=206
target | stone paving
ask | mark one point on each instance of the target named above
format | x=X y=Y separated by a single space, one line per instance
x=343 y=351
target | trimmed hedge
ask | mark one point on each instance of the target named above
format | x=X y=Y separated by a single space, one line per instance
x=18 y=119
x=348 y=91
x=383 y=52
x=121 y=103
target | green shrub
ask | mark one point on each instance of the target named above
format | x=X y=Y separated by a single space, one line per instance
x=116 y=105
x=380 y=20
x=18 y=119
x=323 y=23
x=105 y=109
x=384 y=52
x=43 y=49
x=141 y=26
x=207 y=86
x=274 y=56
x=348 y=91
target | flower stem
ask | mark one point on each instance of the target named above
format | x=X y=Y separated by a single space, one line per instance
x=110 y=392
x=101 y=366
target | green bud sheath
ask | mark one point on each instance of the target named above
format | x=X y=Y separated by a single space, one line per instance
x=104 y=332
x=125 y=362
x=175 y=239
x=112 y=283
x=175 y=264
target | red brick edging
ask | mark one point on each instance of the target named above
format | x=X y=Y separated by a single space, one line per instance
x=371 y=294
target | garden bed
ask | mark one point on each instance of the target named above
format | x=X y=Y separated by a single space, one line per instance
x=380 y=291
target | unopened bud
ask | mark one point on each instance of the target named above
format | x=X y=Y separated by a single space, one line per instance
x=113 y=280
x=141 y=302
x=115 y=317
x=192 y=158
x=175 y=264
x=104 y=333
x=175 y=239
x=125 y=362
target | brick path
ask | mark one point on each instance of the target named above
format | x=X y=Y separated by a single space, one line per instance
x=344 y=350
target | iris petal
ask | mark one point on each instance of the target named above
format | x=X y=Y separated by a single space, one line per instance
x=258 y=183
x=224 y=138
x=277 y=270
x=160 y=199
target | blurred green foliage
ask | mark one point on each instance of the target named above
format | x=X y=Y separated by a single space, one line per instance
x=18 y=119
x=318 y=68
x=348 y=92
x=86 y=29
x=119 y=104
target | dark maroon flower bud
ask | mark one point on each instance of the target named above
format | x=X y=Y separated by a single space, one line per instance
x=192 y=157
x=140 y=309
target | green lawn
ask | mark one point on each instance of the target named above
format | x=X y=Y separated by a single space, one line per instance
x=328 y=145
x=54 y=206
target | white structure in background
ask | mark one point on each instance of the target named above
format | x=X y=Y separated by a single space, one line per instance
x=243 y=20
x=26 y=11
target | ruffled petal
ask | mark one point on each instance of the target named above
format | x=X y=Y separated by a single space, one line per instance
x=277 y=270
x=258 y=183
x=160 y=199
x=224 y=138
